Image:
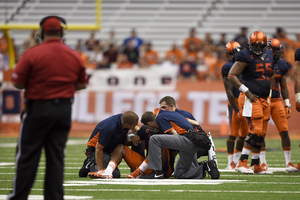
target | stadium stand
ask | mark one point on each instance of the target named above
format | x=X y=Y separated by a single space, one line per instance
x=163 y=22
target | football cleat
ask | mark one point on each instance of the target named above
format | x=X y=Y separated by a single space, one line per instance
x=264 y=166
x=100 y=174
x=213 y=170
x=258 y=170
x=243 y=167
x=135 y=174
x=291 y=168
x=157 y=174
x=231 y=166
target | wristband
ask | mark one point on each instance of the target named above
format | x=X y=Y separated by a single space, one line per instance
x=129 y=136
x=298 y=97
x=243 y=88
x=287 y=103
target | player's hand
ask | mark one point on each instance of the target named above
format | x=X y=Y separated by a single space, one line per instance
x=251 y=97
x=239 y=116
x=298 y=106
x=288 y=111
x=135 y=140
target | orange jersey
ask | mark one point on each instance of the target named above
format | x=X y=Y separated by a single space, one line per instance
x=151 y=57
x=174 y=53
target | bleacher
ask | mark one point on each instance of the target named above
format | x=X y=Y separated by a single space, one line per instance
x=163 y=22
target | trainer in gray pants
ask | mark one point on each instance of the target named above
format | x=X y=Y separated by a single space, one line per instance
x=187 y=166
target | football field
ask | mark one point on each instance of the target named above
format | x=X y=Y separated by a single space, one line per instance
x=231 y=185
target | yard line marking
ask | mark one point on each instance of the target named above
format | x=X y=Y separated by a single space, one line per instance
x=151 y=182
x=197 y=191
x=261 y=175
x=41 y=197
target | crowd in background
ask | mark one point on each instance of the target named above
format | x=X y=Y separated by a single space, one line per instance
x=194 y=59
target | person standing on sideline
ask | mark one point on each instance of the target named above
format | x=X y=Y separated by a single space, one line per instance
x=238 y=125
x=50 y=73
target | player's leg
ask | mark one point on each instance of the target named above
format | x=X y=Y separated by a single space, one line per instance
x=231 y=138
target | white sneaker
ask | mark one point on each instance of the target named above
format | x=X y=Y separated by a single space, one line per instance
x=291 y=168
x=243 y=167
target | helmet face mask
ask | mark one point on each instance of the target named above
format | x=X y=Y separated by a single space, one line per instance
x=258 y=48
x=258 y=42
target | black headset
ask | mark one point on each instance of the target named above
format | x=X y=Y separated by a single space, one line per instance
x=62 y=20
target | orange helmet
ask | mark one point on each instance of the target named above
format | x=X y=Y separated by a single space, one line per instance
x=276 y=47
x=231 y=48
x=258 y=42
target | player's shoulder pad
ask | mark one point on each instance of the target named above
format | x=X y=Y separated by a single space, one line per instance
x=297 y=55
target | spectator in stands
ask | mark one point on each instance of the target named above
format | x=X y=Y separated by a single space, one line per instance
x=91 y=42
x=104 y=63
x=210 y=59
x=82 y=53
x=188 y=69
x=111 y=53
x=96 y=55
x=242 y=37
x=220 y=45
x=170 y=63
x=132 y=53
x=123 y=62
x=174 y=53
x=136 y=41
x=208 y=39
x=80 y=46
x=111 y=40
x=143 y=63
x=31 y=41
x=151 y=56
x=192 y=43
x=282 y=37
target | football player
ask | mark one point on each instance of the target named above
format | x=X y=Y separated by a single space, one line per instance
x=297 y=79
x=256 y=67
x=238 y=125
x=280 y=113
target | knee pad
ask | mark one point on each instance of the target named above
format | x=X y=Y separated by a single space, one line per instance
x=254 y=140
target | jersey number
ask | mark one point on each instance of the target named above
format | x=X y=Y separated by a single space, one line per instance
x=262 y=68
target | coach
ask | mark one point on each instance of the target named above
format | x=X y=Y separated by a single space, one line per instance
x=50 y=73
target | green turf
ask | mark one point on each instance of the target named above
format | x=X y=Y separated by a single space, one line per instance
x=280 y=185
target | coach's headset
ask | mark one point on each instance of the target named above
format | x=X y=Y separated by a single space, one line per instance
x=40 y=33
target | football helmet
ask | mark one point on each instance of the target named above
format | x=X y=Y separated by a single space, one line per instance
x=258 y=42
x=231 y=48
x=276 y=47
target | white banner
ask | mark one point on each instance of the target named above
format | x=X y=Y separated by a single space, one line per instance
x=153 y=78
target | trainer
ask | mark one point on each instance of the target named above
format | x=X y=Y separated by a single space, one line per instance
x=50 y=73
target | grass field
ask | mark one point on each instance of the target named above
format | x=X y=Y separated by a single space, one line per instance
x=231 y=185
